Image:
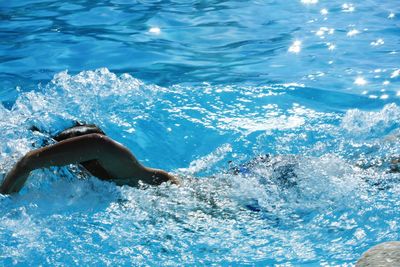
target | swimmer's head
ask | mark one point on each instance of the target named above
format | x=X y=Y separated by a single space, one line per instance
x=78 y=130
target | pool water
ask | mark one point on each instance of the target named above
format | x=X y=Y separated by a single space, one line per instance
x=198 y=88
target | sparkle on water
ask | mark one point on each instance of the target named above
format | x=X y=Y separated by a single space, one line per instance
x=198 y=88
x=295 y=47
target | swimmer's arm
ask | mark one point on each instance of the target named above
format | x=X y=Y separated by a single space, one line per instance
x=114 y=157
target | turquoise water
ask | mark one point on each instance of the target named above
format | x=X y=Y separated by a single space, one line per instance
x=189 y=87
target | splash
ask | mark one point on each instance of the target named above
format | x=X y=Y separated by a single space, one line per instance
x=372 y=123
x=313 y=187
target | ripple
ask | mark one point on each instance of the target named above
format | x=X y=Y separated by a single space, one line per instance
x=213 y=43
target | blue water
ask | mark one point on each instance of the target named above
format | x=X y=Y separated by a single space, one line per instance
x=189 y=86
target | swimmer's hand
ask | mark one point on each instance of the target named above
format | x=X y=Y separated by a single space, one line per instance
x=16 y=178
x=156 y=177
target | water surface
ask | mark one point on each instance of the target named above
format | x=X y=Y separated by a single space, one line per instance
x=190 y=87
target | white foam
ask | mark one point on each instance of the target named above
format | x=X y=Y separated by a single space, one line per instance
x=366 y=123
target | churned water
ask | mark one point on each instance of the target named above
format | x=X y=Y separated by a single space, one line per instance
x=199 y=88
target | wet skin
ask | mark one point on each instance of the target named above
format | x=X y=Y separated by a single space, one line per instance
x=103 y=157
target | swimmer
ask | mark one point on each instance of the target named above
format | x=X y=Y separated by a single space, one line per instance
x=88 y=146
x=102 y=157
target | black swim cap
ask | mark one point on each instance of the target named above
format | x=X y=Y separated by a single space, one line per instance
x=78 y=130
